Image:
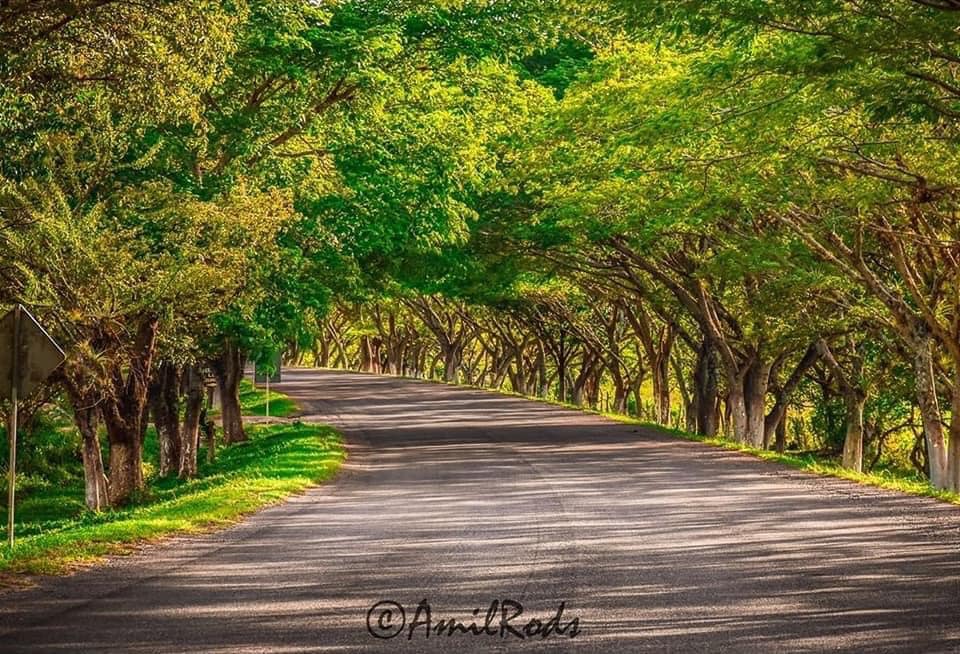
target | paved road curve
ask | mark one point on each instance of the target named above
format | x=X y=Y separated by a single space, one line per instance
x=462 y=497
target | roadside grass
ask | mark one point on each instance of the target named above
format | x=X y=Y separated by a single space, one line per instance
x=253 y=401
x=55 y=534
x=910 y=484
x=903 y=482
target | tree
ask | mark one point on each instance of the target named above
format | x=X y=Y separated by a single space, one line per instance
x=116 y=271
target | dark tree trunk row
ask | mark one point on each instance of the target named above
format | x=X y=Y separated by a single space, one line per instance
x=228 y=369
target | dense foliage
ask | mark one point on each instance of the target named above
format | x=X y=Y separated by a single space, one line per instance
x=737 y=217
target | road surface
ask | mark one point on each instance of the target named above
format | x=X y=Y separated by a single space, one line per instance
x=462 y=498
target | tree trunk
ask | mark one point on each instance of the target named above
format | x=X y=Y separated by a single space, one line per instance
x=562 y=372
x=432 y=367
x=785 y=391
x=452 y=355
x=294 y=354
x=737 y=409
x=126 y=469
x=705 y=390
x=501 y=369
x=189 y=445
x=687 y=400
x=518 y=381
x=577 y=393
x=86 y=418
x=165 y=408
x=953 y=460
x=228 y=369
x=124 y=412
x=930 y=414
x=755 y=393
x=593 y=390
x=853 y=442
x=660 y=367
x=581 y=383
x=418 y=361
x=781 y=433
x=209 y=434
x=370 y=354
x=94 y=479
x=124 y=433
x=543 y=381
x=619 y=396
x=323 y=360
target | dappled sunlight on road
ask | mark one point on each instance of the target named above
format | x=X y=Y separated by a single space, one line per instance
x=463 y=497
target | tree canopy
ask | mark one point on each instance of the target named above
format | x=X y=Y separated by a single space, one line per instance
x=735 y=217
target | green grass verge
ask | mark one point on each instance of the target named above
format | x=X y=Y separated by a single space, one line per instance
x=56 y=534
x=253 y=401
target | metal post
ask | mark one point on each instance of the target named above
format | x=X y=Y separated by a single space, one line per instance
x=12 y=433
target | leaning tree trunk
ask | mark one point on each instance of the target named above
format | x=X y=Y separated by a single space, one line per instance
x=193 y=381
x=94 y=479
x=785 y=391
x=228 y=369
x=86 y=418
x=164 y=402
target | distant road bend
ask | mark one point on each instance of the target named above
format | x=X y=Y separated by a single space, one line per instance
x=463 y=497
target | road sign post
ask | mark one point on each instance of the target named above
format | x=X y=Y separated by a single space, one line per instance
x=30 y=358
x=12 y=429
x=267 y=373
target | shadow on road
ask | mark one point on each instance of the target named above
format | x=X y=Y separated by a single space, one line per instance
x=463 y=497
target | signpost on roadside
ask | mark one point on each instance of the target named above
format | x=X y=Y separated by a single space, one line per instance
x=27 y=357
x=266 y=374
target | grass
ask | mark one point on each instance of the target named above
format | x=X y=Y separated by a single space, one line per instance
x=56 y=534
x=806 y=461
x=910 y=484
x=253 y=401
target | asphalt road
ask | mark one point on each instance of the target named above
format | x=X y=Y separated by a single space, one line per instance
x=462 y=498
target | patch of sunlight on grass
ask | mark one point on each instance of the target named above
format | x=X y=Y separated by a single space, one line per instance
x=253 y=401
